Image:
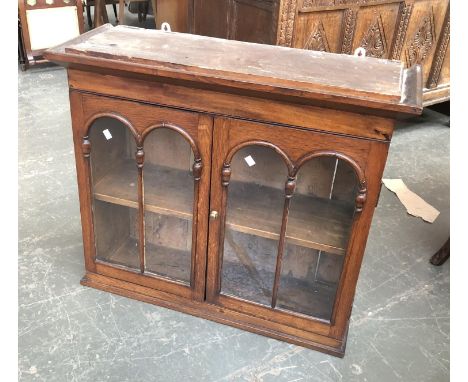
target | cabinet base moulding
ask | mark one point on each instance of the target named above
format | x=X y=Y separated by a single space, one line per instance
x=214 y=313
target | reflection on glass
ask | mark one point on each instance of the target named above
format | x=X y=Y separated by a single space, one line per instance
x=253 y=223
x=317 y=234
x=115 y=193
x=169 y=190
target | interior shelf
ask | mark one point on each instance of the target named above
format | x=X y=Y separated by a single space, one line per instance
x=316 y=223
x=168 y=191
x=163 y=261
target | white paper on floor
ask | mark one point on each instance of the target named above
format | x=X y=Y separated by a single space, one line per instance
x=414 y=204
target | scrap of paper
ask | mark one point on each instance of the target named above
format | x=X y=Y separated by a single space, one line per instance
x=414 y=204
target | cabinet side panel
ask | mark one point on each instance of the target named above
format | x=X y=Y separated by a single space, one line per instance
x=83 y=177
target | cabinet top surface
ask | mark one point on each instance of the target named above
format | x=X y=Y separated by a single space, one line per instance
x=287 y=71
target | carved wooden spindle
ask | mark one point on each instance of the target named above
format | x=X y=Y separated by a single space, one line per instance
x=226 y=175
x=225 y=178
x=140 y=159
x=197 y=169
x=196 y=172
x=361 y=196
x=289 y=189
x=86 y=147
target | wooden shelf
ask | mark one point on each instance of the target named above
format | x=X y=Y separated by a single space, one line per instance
x=316 y=223
x=161 y=261
x=168 y=191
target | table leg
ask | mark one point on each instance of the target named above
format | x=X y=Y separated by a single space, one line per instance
x=100 y=13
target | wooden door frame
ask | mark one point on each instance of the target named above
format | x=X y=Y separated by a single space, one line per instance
x=82 y=119
x=370 y=177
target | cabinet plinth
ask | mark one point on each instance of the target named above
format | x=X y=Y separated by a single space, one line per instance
x=213 y=182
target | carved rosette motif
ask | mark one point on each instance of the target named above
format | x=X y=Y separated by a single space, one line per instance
x=374 y=40
x=405 y=14
x=318 y=40
x=286 y=22
x=422 y=42
x=349 y=24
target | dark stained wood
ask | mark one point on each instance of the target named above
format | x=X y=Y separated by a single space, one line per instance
x=163 y=240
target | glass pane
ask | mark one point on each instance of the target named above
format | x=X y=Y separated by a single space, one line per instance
x=169 y=189
x=253 y=223
x=115 y=192
x=317 y=234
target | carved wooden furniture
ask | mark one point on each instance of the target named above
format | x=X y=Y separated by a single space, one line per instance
x=45 y=23
x=217 y=181
x=413 y=31
x=101 y=17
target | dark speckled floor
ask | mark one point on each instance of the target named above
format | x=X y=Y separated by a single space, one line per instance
x=400 y=322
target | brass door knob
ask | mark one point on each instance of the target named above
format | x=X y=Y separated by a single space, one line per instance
x=214 y=214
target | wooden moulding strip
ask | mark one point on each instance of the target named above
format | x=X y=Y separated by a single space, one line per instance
x=218 y=314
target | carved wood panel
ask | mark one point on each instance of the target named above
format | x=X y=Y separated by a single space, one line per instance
x=375 y=28
x=415 y=32
x=319 y=31
x=423 y=33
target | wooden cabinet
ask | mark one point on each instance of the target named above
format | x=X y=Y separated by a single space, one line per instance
x=243 y=20
x=214 y=182
x=413 y=31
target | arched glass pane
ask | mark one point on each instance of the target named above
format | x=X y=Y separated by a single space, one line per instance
x=169 y=191
x=253 y=223
x=115 y=192
x=320 y=219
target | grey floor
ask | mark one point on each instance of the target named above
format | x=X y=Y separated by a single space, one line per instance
x=400 y=323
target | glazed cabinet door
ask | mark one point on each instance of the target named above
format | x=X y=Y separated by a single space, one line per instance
x=144 y=179
x=289 y=221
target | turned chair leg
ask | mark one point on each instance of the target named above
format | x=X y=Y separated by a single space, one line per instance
x=114 y=6
x=442 y=254
x=88 y=14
